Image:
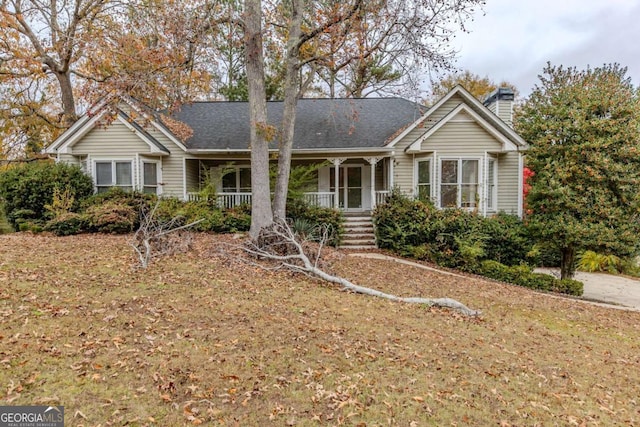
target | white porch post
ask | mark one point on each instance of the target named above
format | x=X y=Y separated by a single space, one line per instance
x=373 y=161
x=485 y=183
x=336 y=181
x=392 y=161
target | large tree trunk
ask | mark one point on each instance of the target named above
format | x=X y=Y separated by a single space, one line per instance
x=66 y=95
x=291 y=92
x=261 y=213
x=568 y=263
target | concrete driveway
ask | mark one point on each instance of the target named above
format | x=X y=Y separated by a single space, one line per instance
x=607 y=288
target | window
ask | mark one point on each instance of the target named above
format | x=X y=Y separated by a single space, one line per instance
x=491 y=184
x=113 y=174
x=237 y=180
x=424 y=180
x=458 y=183
x=150 y=177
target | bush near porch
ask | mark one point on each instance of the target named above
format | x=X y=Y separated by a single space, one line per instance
x=498 y=247
x=116 y=211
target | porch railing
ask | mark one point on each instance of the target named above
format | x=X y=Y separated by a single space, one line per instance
x=225 y=200
x=321 y=198
x=381 y=197
x=229 y=200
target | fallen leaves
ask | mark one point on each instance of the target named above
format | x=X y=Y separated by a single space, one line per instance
x=202 y=340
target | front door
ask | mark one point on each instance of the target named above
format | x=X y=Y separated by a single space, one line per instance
x=349 y=186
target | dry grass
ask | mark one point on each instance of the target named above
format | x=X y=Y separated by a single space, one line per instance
x=197 y=339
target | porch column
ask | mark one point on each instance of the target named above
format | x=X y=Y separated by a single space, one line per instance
x=336 y=181
x=373 y=161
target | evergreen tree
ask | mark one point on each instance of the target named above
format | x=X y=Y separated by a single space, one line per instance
x=584 y=131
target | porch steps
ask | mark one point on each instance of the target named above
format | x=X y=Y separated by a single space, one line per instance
x=358 y=232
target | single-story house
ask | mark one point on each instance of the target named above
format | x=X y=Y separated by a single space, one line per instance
x=460 y=152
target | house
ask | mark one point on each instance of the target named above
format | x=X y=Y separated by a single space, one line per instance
x=459 y=153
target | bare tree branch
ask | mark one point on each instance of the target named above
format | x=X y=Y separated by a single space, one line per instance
x=280 y=243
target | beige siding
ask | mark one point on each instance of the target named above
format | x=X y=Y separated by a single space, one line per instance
x=508 y=182
x=502 y=109
x=461 y=138
x=68 y=158
x=434 y=118
x=454 y=139
x=116 y=139
x=172 y=165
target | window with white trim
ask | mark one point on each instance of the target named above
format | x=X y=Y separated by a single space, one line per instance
x=237 y=180
x=423 y=192
x=459 y=180
x=150 y=177
x=113 y=173
x=491 y=184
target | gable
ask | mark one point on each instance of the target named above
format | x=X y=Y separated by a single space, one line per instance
x=460 y=136
x=447 y=109
x=114 y=138
x=469 y=125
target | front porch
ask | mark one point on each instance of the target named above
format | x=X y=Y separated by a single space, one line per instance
x=362 y=183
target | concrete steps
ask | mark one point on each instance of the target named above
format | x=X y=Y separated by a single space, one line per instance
x=358 y=232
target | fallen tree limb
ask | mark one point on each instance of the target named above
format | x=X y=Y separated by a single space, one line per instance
x=279 y=243
x=153 y=236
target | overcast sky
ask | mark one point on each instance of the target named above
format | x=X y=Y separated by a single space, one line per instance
x=514 y=39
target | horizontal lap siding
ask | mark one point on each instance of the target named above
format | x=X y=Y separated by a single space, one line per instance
x=116 y=140
x=172 y=165
x=69 y=159
x=461 y=139
x=403 y=168
x=454 y=139
x=508 y=183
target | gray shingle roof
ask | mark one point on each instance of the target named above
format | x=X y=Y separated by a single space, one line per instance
x=321 y=124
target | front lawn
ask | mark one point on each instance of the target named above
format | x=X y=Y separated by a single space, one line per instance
x=201 y=339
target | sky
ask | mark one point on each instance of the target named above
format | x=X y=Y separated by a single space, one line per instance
x=514 y=39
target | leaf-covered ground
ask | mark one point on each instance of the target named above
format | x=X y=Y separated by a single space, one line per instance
x=199 y=339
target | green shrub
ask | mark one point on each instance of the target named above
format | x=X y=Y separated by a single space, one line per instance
x=570 y=287
x=591 y=261
x=401 y=223
x=299 y=210
x=496 y=270
x=113 y=217
x=67 y=224
x=449 y=237
x=5 y=227
x=237 y=219
x=30 y=187
x=522 y=275
x=508 y=240
x=134 y=199
x=32 y=226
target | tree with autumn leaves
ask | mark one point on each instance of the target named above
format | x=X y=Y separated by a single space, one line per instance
x=59 y=56
x=476 y=85
x=338 y=37
x=583 y=128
